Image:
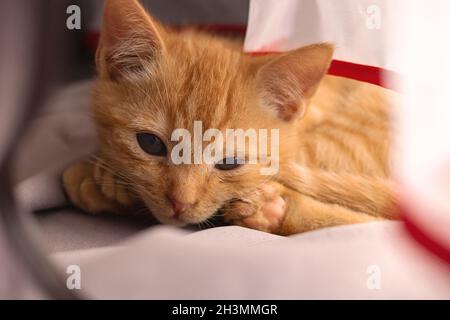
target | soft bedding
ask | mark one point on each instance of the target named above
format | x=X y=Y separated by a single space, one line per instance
x=125 y=257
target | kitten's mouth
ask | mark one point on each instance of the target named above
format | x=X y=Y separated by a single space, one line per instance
x=180 y=220
x=192 y=217
x=175 y=221
x=184 y=220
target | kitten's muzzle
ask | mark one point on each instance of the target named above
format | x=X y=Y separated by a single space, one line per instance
x=178 y=206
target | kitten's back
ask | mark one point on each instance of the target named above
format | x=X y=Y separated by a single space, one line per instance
x=347 y=127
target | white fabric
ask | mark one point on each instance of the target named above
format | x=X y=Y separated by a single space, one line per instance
x=69 y=229
x=368 y=261
x=358 y=28
x=423 y=164
x=61 y=134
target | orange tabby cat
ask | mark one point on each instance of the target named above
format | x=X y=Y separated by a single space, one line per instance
x=334 y=132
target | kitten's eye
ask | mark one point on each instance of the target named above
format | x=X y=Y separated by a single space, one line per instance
x=151 y=144
x=229 y=163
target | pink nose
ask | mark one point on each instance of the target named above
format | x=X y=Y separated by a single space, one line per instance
x=178 y=206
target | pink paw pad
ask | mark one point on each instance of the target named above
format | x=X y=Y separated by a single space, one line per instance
x=269 y=216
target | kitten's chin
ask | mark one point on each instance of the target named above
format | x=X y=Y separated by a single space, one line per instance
x=171 y=221
x=182 y=221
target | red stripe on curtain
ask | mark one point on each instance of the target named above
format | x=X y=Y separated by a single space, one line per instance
x=424 y=239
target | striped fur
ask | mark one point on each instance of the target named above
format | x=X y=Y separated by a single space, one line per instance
x=335 y=132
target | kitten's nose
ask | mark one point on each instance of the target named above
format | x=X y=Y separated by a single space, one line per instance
x=178 y=206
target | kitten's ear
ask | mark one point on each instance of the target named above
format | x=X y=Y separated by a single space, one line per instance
x=129 y=40
x=286 y=82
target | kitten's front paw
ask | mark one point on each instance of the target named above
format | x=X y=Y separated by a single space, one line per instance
x=263 y=209
x=95 y=190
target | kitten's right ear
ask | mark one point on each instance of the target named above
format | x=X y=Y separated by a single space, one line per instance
x=287 y=81
x=129 y=40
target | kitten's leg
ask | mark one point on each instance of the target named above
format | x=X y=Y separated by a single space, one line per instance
x=276 y=209
x=305 y=213
x=373 y=195
x=95 y=190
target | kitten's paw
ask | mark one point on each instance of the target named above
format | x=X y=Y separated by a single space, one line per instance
x=263 y=210
x=95 y=190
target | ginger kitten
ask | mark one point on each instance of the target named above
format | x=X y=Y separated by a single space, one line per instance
x=333 y=132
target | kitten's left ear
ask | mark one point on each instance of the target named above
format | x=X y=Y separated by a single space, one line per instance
x=286 y=82
x=129 y=40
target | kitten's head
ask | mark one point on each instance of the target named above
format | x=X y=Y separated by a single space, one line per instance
x=153 y=81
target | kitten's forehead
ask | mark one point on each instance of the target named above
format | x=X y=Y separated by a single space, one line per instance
x=210 y=87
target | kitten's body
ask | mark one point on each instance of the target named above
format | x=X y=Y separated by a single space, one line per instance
x=351 y=119
x=160 y=81
x=343 y=155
